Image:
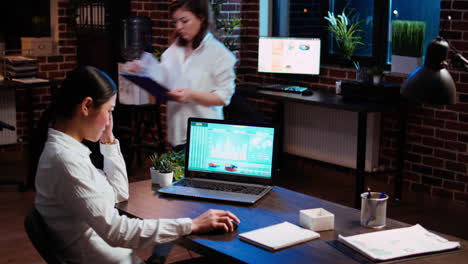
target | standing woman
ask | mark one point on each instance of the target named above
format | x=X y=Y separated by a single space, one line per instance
x=197 y=68
x=77 y=200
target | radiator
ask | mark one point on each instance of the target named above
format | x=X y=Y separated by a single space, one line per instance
x=329 y=135
x=8 y=115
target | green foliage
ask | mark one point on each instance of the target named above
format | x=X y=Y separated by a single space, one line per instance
x=225 y=27
x=165 y=166
x=169 y=162
x=346 y=33
x=408 y=38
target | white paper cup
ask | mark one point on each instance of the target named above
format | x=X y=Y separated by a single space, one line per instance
x=373 y=210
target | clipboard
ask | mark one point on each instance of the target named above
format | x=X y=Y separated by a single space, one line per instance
x=148 y=84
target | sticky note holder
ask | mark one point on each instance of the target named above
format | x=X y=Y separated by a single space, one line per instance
x=317 y=219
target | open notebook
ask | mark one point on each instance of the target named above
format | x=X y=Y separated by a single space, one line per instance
x=227 y=160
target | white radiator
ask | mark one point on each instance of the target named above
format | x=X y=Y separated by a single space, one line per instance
x=329 y=135
x=8 y=115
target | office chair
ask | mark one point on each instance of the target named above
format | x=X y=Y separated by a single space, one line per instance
x=241 y=109
x=40 y=236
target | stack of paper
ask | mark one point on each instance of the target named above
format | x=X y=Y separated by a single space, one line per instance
x=397 y=243
x=19 y=67
x=279 y=236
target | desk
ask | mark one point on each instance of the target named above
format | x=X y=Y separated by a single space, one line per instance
x=29 y=111
x=326 y=99
x=277 y=206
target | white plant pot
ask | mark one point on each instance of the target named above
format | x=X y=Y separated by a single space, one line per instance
x=165 y=179
x=376 y=79
x=403 y=64
x=154 y=176
x=161 y=179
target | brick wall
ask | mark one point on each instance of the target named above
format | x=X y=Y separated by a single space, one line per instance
x=436 y=155
x=50 y=67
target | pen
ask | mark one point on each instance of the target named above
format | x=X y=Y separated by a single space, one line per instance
x=369 y=194
x=382 y=195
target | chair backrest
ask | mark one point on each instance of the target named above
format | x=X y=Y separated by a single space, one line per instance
x=40 y=236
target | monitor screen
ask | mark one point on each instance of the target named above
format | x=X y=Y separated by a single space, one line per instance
x=289 y=55
x=226 y=147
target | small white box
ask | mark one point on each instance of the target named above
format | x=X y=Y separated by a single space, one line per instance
x=317 y=219
x=36 y=46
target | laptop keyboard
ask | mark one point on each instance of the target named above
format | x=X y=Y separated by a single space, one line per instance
x=218 y=186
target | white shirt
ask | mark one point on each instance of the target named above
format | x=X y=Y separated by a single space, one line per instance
x=210 y=68
x=77 y=202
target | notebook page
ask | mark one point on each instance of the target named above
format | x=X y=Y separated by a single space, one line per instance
x=278 y=236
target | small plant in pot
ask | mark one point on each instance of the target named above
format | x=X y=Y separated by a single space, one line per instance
x=407 y=45
x=162 y=171
x=377 y=73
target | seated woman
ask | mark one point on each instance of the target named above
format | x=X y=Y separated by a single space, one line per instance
x=77 y=200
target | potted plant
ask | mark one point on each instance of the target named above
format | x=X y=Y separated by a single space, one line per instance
x=377 y=73
x=166 y=167
x=407 y=45
x=345 y=30
x=166 y=172
x=154 y=170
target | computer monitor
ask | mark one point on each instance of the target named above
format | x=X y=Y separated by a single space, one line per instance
x=289 y=55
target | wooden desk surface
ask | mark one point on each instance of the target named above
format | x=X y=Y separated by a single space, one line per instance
x=278 y=206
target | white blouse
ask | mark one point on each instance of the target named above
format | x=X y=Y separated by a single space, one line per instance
x=210 y=68
x=77 y=202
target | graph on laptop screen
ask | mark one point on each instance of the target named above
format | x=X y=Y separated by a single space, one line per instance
x=289 y=55
x=231 y=149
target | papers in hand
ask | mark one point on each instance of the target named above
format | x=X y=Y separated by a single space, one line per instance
x=147 y=83
x=397 y=243
x=278 y=236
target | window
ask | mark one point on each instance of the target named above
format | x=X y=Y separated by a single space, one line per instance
x=305 y=18
x=24 y=18
x=411 y=10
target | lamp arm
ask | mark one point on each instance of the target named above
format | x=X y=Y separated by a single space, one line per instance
x=462 y=59
x=458 y=56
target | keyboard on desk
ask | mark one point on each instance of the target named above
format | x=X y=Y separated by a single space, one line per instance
x=284 y=88
x=221 y=186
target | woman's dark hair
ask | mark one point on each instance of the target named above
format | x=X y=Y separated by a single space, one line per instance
x=202 y=10
x=82 y=82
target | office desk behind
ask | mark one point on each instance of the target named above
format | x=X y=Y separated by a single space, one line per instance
x=323 y=98
x=278 y=206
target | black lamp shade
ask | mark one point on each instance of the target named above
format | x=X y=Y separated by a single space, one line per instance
x=431 y=83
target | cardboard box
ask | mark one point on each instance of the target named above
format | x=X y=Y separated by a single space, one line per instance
x=36 y=46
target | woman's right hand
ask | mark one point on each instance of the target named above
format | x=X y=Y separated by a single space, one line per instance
x=134 y=66
x=214 y=219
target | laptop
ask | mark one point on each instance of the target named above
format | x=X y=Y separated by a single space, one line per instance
x=227 y=160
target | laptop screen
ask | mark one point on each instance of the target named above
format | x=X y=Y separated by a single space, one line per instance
x=230 y=149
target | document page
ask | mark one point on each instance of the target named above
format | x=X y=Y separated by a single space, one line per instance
x=396 y=243
x=279 y=236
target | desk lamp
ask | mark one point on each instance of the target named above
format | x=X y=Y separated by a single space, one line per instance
x=431 y=83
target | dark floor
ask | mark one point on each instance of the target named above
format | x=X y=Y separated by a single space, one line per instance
x=325 y=181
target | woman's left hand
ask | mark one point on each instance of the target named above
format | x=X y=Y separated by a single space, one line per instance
x=181 y=95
